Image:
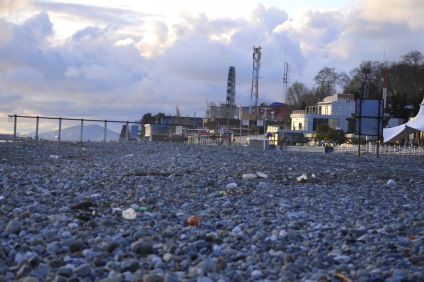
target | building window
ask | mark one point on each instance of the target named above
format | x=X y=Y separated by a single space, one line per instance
x=300 y=126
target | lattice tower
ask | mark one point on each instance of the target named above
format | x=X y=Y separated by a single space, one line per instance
x=285 y=81
x=255 y=83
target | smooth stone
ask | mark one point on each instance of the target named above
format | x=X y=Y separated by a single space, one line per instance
x=13 y=227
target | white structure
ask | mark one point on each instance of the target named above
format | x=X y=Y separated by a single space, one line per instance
x=334 y=111
x=403 y=130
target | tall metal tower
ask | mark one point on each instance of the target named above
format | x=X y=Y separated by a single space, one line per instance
x=231 y=93
x=285 y=78
x=255 y=83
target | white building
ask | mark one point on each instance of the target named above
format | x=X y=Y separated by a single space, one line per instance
x=334 y=111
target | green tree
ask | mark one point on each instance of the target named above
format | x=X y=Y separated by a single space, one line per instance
x=147 y=118
x=321 y=132
x=335 y=135
x=158 y=117
x=124 y=132
x=351 y=123
x=398 y=106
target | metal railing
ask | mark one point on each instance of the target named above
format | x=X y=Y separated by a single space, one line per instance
x=60 y=119
x=384 y=149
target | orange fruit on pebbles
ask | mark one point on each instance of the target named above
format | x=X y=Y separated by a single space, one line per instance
x=193 y=220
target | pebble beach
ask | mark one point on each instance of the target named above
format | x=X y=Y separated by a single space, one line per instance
x=149 y=211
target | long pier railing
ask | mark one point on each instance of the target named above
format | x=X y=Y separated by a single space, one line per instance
x=60 y=119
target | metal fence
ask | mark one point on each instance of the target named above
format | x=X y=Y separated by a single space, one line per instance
x=384 y=149
x=60 y=119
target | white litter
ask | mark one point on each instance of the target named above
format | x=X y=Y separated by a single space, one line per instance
x=249 y=176
x=129 y=213
x=231 y=185
x=391 y=182
x=261 y=174
x=301 y=178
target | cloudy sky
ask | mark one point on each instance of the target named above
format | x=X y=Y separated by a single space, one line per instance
x=120 y=59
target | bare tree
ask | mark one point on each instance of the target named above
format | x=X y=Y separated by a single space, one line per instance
x=413 y=72
x=297 y=95
x=326 y=80
x=210 y=109
x=177 y=112
x=374 y=79
x=344 y=80
x=414 y=58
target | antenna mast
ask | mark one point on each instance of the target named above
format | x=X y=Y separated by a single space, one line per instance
x=385 y=83
x=285 y=77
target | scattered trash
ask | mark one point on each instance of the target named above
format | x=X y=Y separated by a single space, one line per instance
x=130 y=155
x=283 y=234
x=232 y=192
x=261 y=175
x=249 y=176
x=411 y=237
x=73 y=225
x=115 y=210
x=129 y=213
x=231 y=185
x=142 y=209
x=222 y=192
x=193 y=220
x=391 y=182
x=54 y=156
x=302 y=178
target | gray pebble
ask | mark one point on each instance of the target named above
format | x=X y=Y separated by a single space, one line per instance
x=60 y=223
x=14 y=226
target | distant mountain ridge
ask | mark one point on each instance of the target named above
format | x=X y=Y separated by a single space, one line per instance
x=93 y=132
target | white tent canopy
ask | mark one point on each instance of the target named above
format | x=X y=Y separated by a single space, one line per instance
x=416 y=125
